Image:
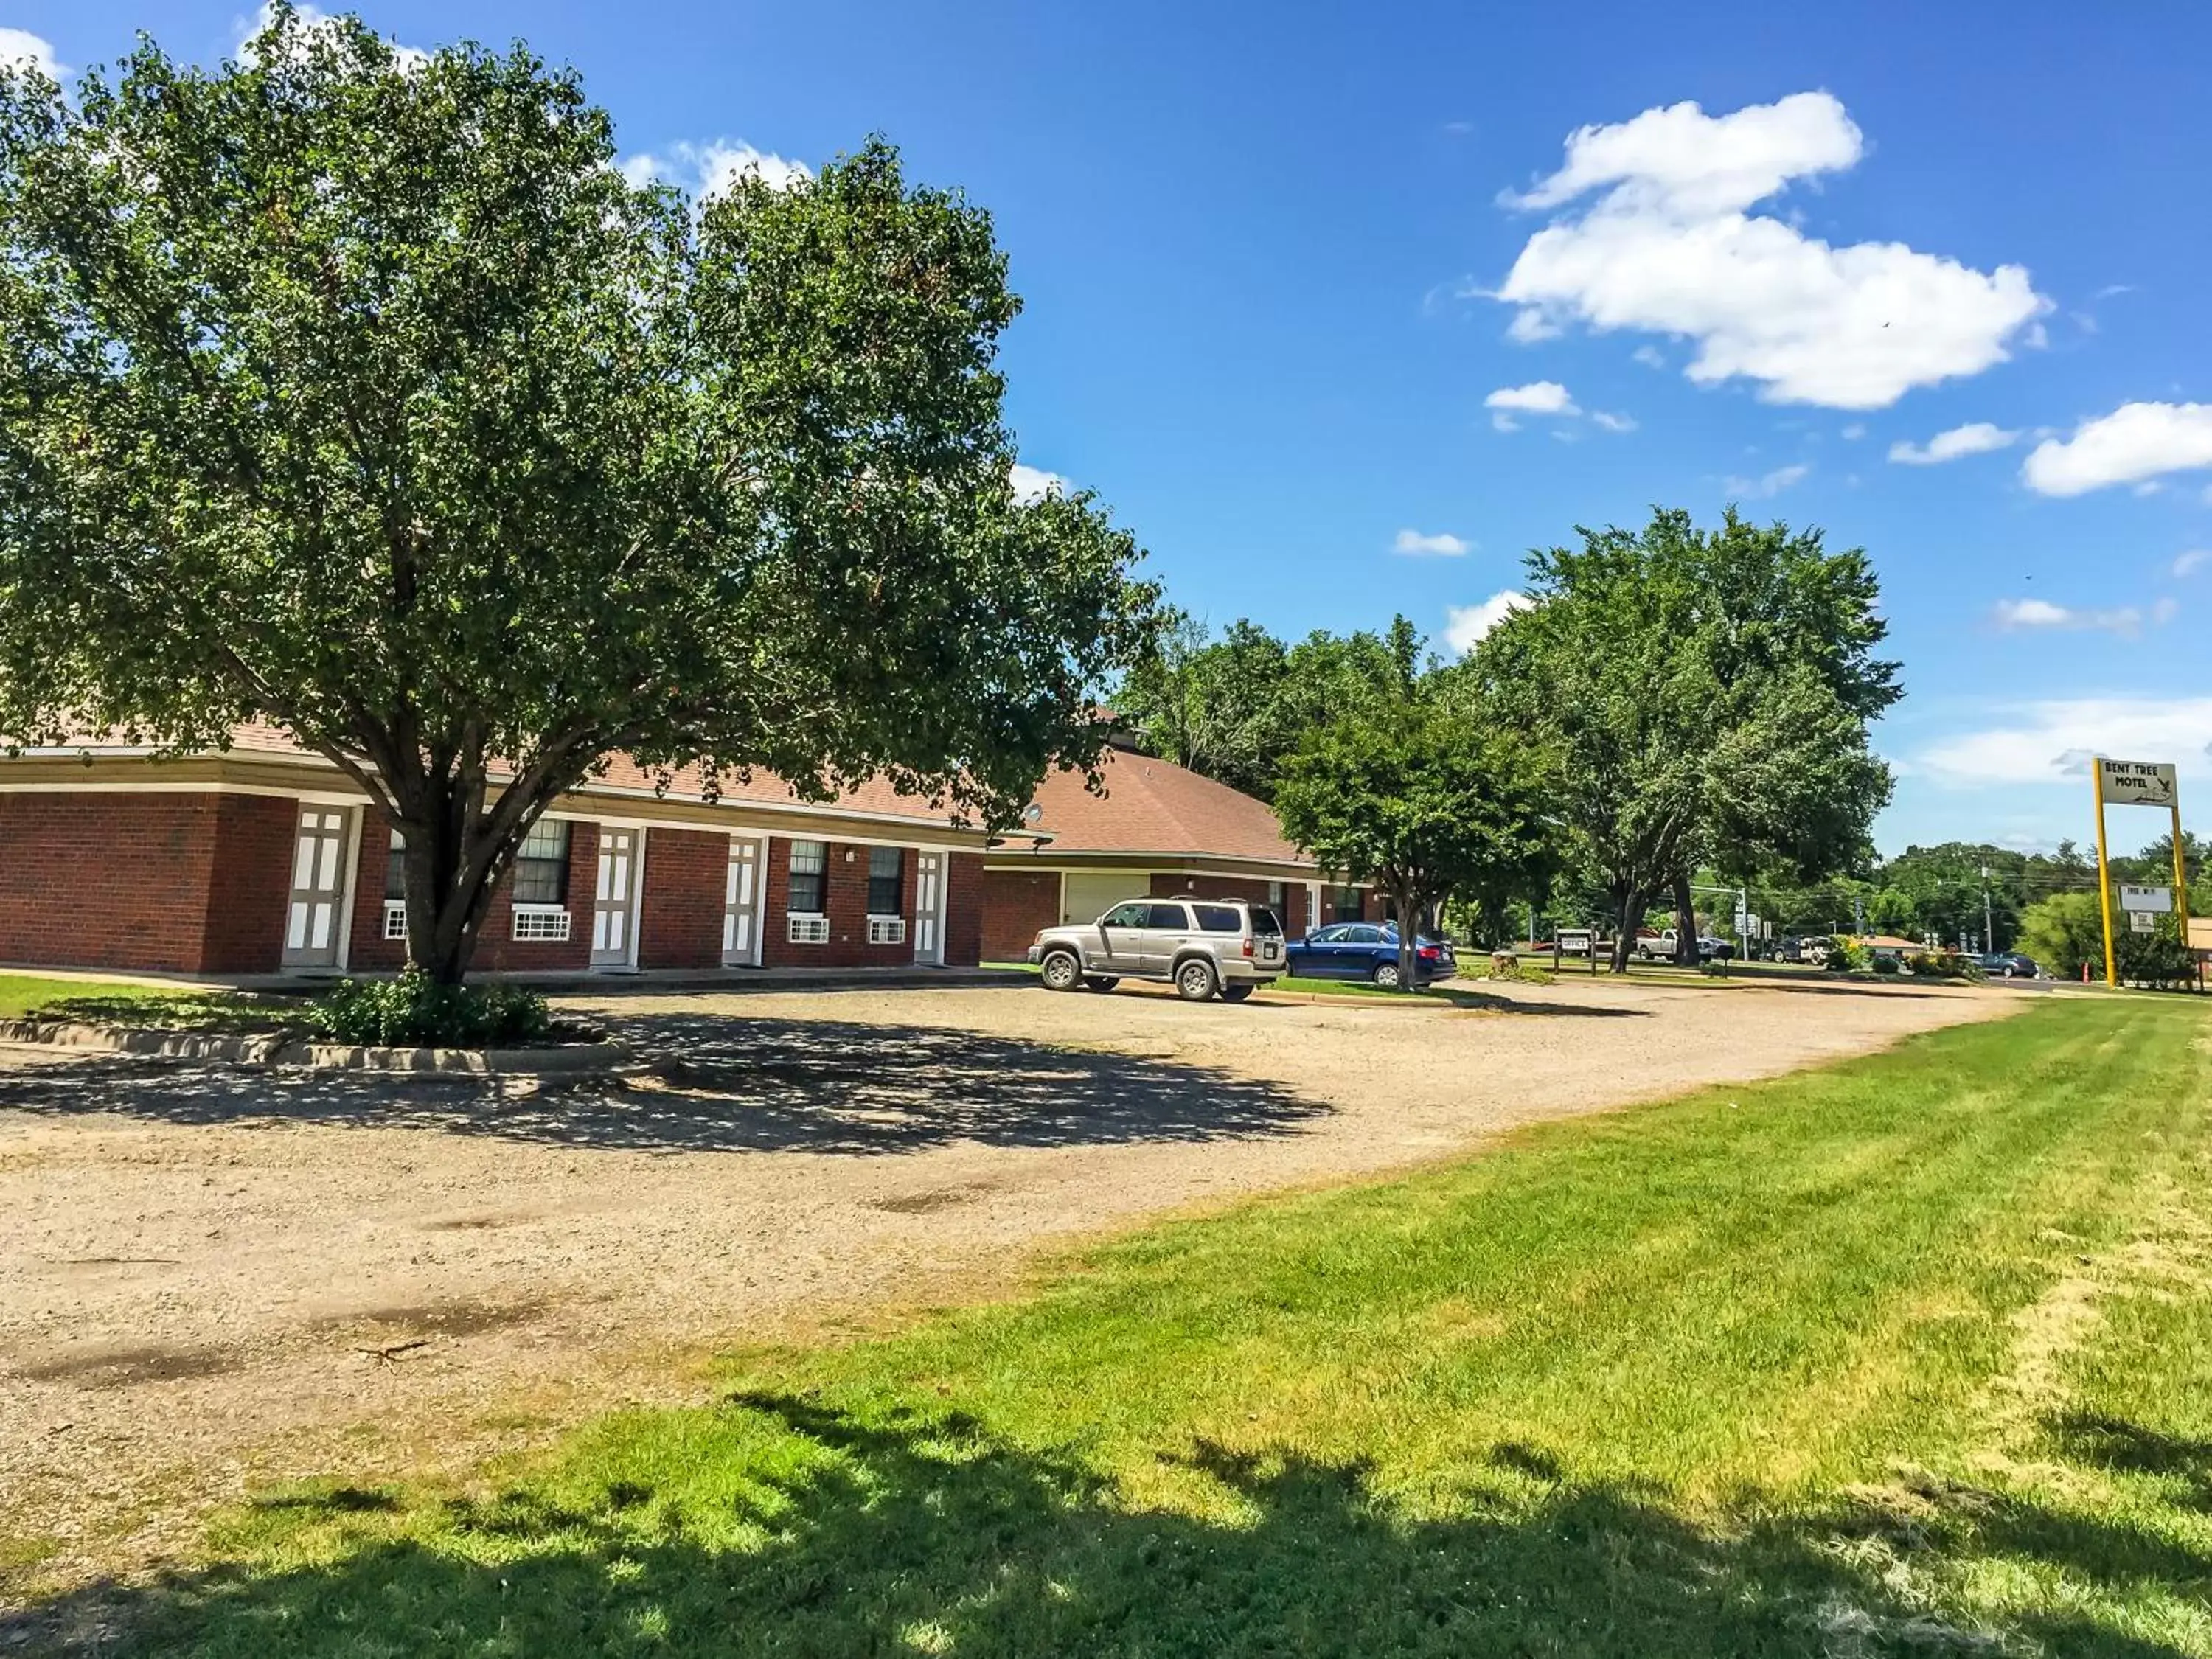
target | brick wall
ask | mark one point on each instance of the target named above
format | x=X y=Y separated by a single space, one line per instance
x=249 y=883
x=964 y=910
x=99 y=880
x=1015 y=904
x=845 y=903
x=687 y=874
x=1292 y=912
x=498 y=950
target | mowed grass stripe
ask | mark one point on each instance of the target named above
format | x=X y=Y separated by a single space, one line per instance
x=1740 y=1373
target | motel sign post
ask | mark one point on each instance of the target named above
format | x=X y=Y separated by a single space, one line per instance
x=2138 y=783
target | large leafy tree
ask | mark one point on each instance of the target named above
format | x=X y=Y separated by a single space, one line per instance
x=1708 y=693
x=359 y=392
x=1422 y=800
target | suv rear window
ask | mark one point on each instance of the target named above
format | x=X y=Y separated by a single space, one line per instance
x=1263 y=921
x=1218 y=918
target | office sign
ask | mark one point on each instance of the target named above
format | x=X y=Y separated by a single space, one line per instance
x=2142 y=921
x=2137 y=783
x=2159 y=900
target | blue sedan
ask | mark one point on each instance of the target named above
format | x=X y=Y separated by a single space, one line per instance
x=1363 y=950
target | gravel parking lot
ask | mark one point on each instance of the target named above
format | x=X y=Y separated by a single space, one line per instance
x=212 y=1278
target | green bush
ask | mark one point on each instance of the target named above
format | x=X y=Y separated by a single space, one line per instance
x=1885 y=964
x=1944 y=964
x=1847 y=955
x=414 y=1010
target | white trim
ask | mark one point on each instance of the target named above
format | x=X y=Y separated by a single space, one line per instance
x=886 y=930
x=394 y=910
x=170 y=786
x=817 y=930
x=637 y=899
x=542 y=914
x=355 y=816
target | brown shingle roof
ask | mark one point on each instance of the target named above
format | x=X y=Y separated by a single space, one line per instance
x=1155 y=806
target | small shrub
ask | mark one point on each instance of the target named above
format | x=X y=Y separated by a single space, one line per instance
x=414 y=1010
x=1847 y=955
x=1885 y=963
x=1944 y=964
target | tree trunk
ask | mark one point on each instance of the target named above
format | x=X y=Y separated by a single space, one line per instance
x=1686 y=922
x=1630 y=902
x=1409 y=928
x=456 y=852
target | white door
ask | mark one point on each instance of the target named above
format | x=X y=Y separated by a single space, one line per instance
x=741 y=906
x=614 y=904
x=311 y=916
x=928 y=907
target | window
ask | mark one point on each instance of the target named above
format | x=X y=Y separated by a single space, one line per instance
x=541 y=867
x=1343 y=902
x=807 y=930
x=1264 y=922
x=886 y=881
x=1331 y=935
x=395 y=888
x=1126 y=915
x=810 y=877
x=1167 y=918
x=1218 y=918
x=1275 y=897
x=1365 y=934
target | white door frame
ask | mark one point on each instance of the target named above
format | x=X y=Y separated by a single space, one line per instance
x=632 y=904
x=336 y=892
x=745 y=907
x=931 y=879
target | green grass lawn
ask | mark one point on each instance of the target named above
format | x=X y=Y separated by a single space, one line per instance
x=1910 y=1355
x=98 y=1002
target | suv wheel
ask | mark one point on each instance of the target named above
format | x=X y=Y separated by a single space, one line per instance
x=1062 y=972
x=1195 y=981
x=1101 y=982
x=1386 y=976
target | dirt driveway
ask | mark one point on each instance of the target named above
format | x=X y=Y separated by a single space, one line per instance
x=212 y=1278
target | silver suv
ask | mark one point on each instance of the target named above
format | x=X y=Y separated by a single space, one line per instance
x=1200 y=947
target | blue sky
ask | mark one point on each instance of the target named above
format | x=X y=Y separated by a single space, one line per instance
x=1262 y=248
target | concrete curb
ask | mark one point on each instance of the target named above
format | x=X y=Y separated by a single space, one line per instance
x=572 y=1059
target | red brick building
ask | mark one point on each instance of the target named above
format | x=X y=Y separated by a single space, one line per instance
x=1158 y=830
x=264 y=859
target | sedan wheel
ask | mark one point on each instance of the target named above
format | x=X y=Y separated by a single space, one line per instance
x=1386 y=976
x=1062 y=971
x=1195 y=981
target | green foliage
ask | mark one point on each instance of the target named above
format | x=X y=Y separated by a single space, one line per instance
x=368 y=396
x=1943 y=964
x=1711 y=1377
x=1420 y=800
x=1708 y=693
x=1847 y=955
x=415 y=1011
x=1234 y=708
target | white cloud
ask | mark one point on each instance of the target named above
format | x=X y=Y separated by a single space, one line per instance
x=1766 y=485
x=1607 y=422
x=708 y=170
x=2189 y=564
x=1854 y=432
x=2050 y=742
x=1414 y=544
x=1466 y=624
x=2013 y=615
x=1649 y=355
x=2134 y=442
x=1033 y=484
x=20 y=48
x=1537 y=398
x=2166 y=610
x=1977 y=438
x=1669 y=246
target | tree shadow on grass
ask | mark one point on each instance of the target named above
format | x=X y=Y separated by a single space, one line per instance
x=903 y=1532
x=721 y=1083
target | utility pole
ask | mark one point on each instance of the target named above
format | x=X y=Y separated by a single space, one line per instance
x=1858 y=915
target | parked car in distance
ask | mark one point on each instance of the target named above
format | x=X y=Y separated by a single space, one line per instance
x=1203 y=947
x=1660 y=947
x=1367 y=951
x=2009 y=964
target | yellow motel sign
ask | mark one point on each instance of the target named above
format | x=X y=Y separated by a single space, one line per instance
x=2138 y=783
